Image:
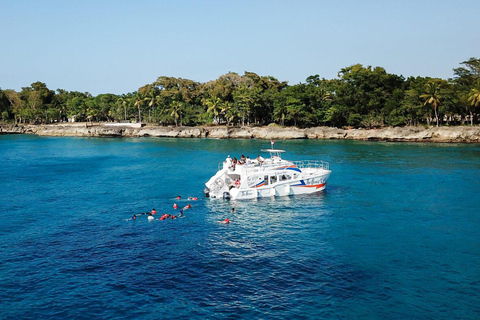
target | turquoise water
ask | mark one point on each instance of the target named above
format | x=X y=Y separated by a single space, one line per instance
x=396 y=235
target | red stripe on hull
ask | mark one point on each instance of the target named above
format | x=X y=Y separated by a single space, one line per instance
x=313 y=186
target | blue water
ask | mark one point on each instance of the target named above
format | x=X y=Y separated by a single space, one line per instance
x=396 y=235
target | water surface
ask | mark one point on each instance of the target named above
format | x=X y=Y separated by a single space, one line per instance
x=395 y=235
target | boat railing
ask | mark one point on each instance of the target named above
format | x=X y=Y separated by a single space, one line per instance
x=253 y=167
x=318 y=164
x=303 y=164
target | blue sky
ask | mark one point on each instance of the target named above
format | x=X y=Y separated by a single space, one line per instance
x=118 y=46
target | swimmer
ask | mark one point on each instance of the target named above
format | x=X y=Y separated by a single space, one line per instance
x=150 y=218
x=193 y=198
x=181 y=213
x=164 y=216
x=175 y=206
x=173 y=217
x=226 y=221
x=178 y=197
x=154 y=212
x=233 y=210
x=188 y=206
x=132 y=218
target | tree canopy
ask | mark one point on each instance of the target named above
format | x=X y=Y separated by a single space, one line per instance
x=361 y=96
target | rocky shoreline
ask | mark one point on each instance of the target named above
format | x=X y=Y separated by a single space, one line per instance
x=407 y=134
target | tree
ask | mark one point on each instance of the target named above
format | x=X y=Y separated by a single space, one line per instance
x=243 y=101
x=139 y=102
x=59 y=104
x=175 y=111
x=432 y=96
x=474 y=99
x=5 y=107
x=366 y=92
x=474 y=96
x=124 y=101
x=151 y=98
x=214 y=107
x=319 y=96
x=465 y=80
x=229 y=112
x=280 y=112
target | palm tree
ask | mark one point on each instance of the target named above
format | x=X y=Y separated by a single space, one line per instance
x=229 y=112
x=213 y=105
x=432 y=97
x=138 y=104
x=151 y=99
x=175 y=111
x=474 y=99
x=123 y=102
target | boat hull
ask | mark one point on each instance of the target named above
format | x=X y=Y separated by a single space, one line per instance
x=302 y=186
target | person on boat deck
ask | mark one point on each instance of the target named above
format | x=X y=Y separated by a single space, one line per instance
x=237 y=183
x=234 y=163
x=260 y=159
x=242 y=159
x=228 y=161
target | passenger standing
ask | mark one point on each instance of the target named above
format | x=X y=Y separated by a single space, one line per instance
x=229 y=162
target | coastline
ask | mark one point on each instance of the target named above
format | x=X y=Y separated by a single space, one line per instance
x=458 y=134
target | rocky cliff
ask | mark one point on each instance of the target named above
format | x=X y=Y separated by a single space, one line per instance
x=414 y=134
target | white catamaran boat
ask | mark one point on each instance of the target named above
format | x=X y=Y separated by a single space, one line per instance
x=250 y=179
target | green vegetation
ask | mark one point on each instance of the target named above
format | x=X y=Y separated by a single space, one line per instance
x=360 y=97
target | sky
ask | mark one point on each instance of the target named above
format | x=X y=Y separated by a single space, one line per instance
x=101 y=46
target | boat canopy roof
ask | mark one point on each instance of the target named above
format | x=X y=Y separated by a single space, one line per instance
x=274 y=152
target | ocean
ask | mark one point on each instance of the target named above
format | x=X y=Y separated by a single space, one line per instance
x=396 y=234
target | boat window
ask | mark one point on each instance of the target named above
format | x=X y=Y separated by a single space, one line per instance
x=266 y=180
x=273 y=179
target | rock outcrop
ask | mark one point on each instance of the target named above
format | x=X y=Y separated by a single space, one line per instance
x=411 y=134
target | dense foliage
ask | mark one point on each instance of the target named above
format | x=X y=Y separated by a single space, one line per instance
x=359 y=97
